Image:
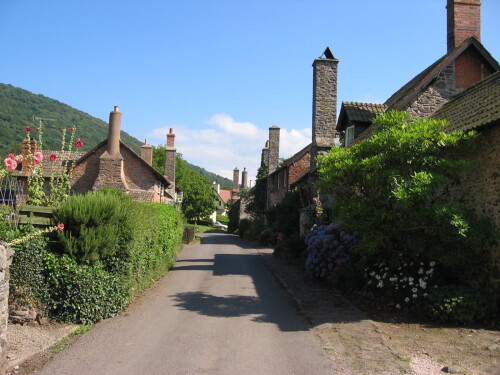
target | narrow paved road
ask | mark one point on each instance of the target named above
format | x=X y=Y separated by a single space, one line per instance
x=219 y=311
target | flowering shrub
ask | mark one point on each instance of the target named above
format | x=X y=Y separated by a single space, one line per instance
x=328 y=248
x=407 y=283
x=37 y=233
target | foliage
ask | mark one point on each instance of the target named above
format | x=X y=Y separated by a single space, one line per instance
x=394 y=188
x=257 y=195
x=291 y=247
x=222 y=219
x=244 y=227
x=82 y=293
x=328 y=247
x=76 y=287
x=457 y=305
x=198 y=200
x=94 y=223
x=27 y=274
x=18 y=106
x=285 y=216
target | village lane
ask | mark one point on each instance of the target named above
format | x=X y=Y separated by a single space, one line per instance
x=218 y=311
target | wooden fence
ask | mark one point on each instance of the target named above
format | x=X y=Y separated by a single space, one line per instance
x=35 y=215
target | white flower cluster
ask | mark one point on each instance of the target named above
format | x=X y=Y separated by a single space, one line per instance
x=409 y=282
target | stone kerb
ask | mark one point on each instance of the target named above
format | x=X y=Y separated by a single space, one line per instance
x=5 y=261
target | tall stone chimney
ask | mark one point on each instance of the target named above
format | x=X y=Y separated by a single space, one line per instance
x=464 y=21
x=264 y=159
x=236 y=179
x=274 y=147
x=115 y=123
x=28 y=147
x=324 y=118
x=244 y=179
x=111 y=162
x=147 y=152
x=170 y=156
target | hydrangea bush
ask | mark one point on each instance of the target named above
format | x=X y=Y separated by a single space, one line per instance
x=328 y=247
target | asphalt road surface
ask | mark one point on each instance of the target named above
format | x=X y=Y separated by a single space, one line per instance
x=219 y=311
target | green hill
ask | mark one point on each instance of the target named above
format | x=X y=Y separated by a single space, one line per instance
x=222 y=181
x=18 y=107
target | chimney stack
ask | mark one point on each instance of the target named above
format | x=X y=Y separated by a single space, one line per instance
x=115 y=123
x=28 y=147
x=244 y=178
x=170 y=156
x=236 y=179
x=274 y=147
x=264 y=159
x=464 y=21
x=324 y=118
x=147 y=152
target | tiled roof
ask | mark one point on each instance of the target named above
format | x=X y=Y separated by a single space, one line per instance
x=225 y=194
x=405 y=95
x=293 y=158
x=477 y=106
x=64 y=160
x=142 y=195
x=359 y=112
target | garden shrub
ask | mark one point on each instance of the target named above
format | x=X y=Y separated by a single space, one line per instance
x=394 y=189
x=94 y=225
x=291 y=248
x=456 y=304
x=243 y=227
x=74 y=287
x=222 y=219
x=82 y=293
x=328 y=247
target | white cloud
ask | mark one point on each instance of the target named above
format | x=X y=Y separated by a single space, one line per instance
x=229 y=144
x=230 y=126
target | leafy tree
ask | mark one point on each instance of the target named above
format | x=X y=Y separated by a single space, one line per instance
x=198 y=201
x=257 y=195
x=396 y=189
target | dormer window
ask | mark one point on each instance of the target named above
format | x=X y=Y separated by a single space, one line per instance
x=349 y=135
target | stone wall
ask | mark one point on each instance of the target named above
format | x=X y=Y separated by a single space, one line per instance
x=482 y=187
x=5 y=261
x=136 y=175
x=436 y=95
x=274 y=147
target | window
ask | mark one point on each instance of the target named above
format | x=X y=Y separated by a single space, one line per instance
x=349 y=135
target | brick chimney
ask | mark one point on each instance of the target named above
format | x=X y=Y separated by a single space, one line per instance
x=274 y=147
x=244 y=179
x=264 y=159
x=28 y=147
x=464 y=21
x=170 y=157
x=147 y=152
x=111 y=172
x=324 y=118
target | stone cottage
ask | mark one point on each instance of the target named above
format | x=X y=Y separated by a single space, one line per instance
x=113 y=164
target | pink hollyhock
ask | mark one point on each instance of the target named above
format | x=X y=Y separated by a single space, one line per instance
x=11 y=156
x=71 y=129
x=10 y=164
x=38 y=157
x=60 y=227
x=53 y=157
x=37 y=129
x=19 y=158
x=78 y=143
x=27 y=128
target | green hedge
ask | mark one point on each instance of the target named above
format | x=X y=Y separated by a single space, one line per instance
x=82 y=284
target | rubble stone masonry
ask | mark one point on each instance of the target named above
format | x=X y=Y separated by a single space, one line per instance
x=5 y=260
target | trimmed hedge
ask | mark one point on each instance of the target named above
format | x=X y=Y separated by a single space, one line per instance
x=82 y=284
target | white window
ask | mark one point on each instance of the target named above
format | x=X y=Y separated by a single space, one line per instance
x=349 y=135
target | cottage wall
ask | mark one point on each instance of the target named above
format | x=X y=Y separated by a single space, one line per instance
x=436 y=95
x=85 y=174
x=136 y=176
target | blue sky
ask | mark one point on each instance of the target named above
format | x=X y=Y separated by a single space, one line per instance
x=220 y=72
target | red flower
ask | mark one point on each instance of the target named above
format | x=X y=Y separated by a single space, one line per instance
x=37 y=129
x=61 y=130
x=11 y=156
x=60 y=227
x=53 y=157
x=71 y=129
x=75 y=166
x=27 y=128
x=78 y=143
